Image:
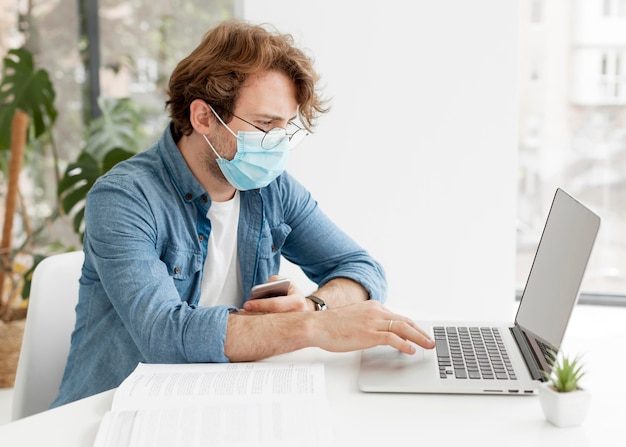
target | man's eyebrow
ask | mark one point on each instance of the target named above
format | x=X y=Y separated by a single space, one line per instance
x=271 y=117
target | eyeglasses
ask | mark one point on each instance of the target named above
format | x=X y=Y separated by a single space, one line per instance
x=275 y=135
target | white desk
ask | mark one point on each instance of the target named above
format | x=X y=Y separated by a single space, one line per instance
x=384 y=419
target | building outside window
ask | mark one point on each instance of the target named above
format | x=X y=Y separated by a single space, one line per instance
x=572 y=128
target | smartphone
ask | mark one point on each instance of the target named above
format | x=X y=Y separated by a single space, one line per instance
x=279 y=287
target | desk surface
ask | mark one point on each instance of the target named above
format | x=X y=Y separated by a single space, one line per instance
x=380 y=419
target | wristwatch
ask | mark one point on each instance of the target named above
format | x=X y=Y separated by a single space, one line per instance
x=319 y=303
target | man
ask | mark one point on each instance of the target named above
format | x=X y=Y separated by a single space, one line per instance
x=178 y=235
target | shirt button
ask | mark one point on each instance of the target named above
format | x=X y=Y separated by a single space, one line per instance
x=204 y=198
x=176 y=270
x=201 y=237
x=273 y=247
x=188 y=196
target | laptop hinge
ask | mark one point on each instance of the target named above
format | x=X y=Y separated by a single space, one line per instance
x=527 y=353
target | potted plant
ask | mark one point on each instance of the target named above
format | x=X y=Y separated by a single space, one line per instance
x=27 y=117
x=563 y=401
x=27 y=114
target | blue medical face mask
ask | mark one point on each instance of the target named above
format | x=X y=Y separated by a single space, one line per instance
x=253 y=166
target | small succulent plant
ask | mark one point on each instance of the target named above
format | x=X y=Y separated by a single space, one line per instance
x=566 y=373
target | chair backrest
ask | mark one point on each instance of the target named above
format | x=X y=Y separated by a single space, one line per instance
x=47 y=331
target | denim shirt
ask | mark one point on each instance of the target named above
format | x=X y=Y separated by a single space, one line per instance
x=145 y=245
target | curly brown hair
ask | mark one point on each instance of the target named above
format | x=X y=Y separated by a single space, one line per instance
x=228 y=54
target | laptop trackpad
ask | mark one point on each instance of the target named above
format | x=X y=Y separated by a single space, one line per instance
x=384 y=368
x=388 y=358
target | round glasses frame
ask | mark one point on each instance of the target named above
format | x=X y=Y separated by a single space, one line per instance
x=275 y=135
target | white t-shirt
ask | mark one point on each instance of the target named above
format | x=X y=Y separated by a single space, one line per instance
x=221 y=282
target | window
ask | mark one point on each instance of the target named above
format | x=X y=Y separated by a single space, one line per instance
x=572 y=132
x=137 y=46
x=612 y=81
x=139 y=42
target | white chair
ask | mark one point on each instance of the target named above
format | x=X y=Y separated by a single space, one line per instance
x=47 y=331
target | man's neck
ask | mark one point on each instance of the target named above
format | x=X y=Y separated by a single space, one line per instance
x=193 y=150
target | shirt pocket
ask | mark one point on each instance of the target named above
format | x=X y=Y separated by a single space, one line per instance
x=182 y=263
x=273 y=239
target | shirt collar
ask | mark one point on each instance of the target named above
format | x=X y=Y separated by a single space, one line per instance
x=188 y=187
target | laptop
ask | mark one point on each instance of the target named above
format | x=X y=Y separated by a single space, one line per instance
x=495 y=358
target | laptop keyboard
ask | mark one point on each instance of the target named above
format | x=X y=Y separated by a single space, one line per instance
x=547 y=351
x=472 y=353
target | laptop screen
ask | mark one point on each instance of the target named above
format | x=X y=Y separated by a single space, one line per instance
x=555 y=277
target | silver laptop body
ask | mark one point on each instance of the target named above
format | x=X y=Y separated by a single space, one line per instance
x=550 y=294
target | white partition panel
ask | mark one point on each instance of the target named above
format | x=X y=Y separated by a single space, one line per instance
x=417 y=158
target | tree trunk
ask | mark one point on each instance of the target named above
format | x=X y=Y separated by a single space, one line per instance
x=19 y=128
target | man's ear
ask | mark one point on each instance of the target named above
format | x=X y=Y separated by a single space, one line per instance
x=200 y=116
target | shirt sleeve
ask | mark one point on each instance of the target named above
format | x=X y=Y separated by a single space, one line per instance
x=321 y=249
x=124 y=247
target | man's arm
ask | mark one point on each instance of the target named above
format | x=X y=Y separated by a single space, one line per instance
x=363 y=325
x=340 y=292
x=138 y=282
x=322 y=250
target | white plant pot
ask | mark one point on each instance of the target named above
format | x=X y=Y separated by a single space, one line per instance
x=564 y=409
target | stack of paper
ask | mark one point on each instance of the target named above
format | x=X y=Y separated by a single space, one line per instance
x=242 y=404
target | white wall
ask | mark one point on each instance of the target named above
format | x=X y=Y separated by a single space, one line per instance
x=417 y=158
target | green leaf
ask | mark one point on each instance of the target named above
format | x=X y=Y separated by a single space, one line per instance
x=28 y=89
x=117 y=128
x=113 y=157
x=80 y=176
x=84 y=171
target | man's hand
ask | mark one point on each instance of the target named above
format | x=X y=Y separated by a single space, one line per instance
x=365 y=325
x=294 y=301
